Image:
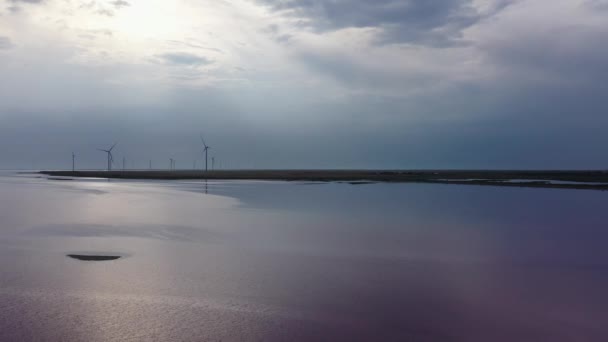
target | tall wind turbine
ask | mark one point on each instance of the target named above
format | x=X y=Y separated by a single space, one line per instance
x=171 y=163
x=110 y=157
x=73 y=162
x=206 y=150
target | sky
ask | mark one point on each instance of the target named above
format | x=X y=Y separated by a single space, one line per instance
x=409 y=84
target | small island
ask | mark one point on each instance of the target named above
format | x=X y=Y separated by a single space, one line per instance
x=84 y=257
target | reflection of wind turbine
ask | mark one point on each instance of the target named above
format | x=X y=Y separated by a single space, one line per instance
x=206 y=150
x=110 y=158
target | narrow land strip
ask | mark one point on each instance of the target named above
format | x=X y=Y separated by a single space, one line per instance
x=597 y=180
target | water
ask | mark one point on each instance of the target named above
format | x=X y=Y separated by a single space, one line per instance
x=278 y=261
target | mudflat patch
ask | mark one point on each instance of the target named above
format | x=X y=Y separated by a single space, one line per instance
x=85 y=257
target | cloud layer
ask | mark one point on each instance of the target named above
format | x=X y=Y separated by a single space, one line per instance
x=5 y=43
x=307 y=83
x=429 y=22
x=183 y=58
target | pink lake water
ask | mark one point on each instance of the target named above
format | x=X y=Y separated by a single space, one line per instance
x=293 y=261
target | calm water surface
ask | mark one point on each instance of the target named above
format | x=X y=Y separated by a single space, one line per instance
x=278 y=261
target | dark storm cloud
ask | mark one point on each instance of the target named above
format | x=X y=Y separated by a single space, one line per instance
x=5 y=43
x=428 y=22
x=183 y=59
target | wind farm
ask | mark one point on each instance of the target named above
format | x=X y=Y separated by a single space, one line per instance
x=564 y=179
x=109 y=163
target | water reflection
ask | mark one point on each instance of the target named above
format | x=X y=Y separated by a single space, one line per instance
x=288 y=261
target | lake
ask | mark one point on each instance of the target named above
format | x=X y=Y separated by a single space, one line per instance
x=283 y=261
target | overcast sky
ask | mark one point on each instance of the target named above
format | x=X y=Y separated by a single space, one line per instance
x=305 y=83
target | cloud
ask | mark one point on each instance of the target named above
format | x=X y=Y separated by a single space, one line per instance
x=425 y=22
x=513 y=88
x=597 y=4
x=102 y=8
x=15 y=8
x=357 y=75
x=193 y=45
x=568 y=55
x=183 y=59
x=105 y=11
x=5 y=43
x=562 y=50
x=120 y=3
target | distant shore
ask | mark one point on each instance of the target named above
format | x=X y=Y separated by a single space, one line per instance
x=597 y=180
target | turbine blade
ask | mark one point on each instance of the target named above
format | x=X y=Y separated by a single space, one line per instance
x=111 y=148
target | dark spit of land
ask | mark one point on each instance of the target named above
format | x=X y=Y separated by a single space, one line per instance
x=597 y=180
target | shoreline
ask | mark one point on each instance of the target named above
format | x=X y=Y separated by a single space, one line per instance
x=560 y=179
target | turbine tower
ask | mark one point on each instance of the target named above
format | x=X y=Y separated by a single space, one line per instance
x=206 y=150
x=73 y=162
x=110 y=157
x=171 y=163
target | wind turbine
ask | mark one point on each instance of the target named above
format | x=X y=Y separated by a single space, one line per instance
x=171 y=163
x=73 y=162
x=206 y=150
x=110 y=158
